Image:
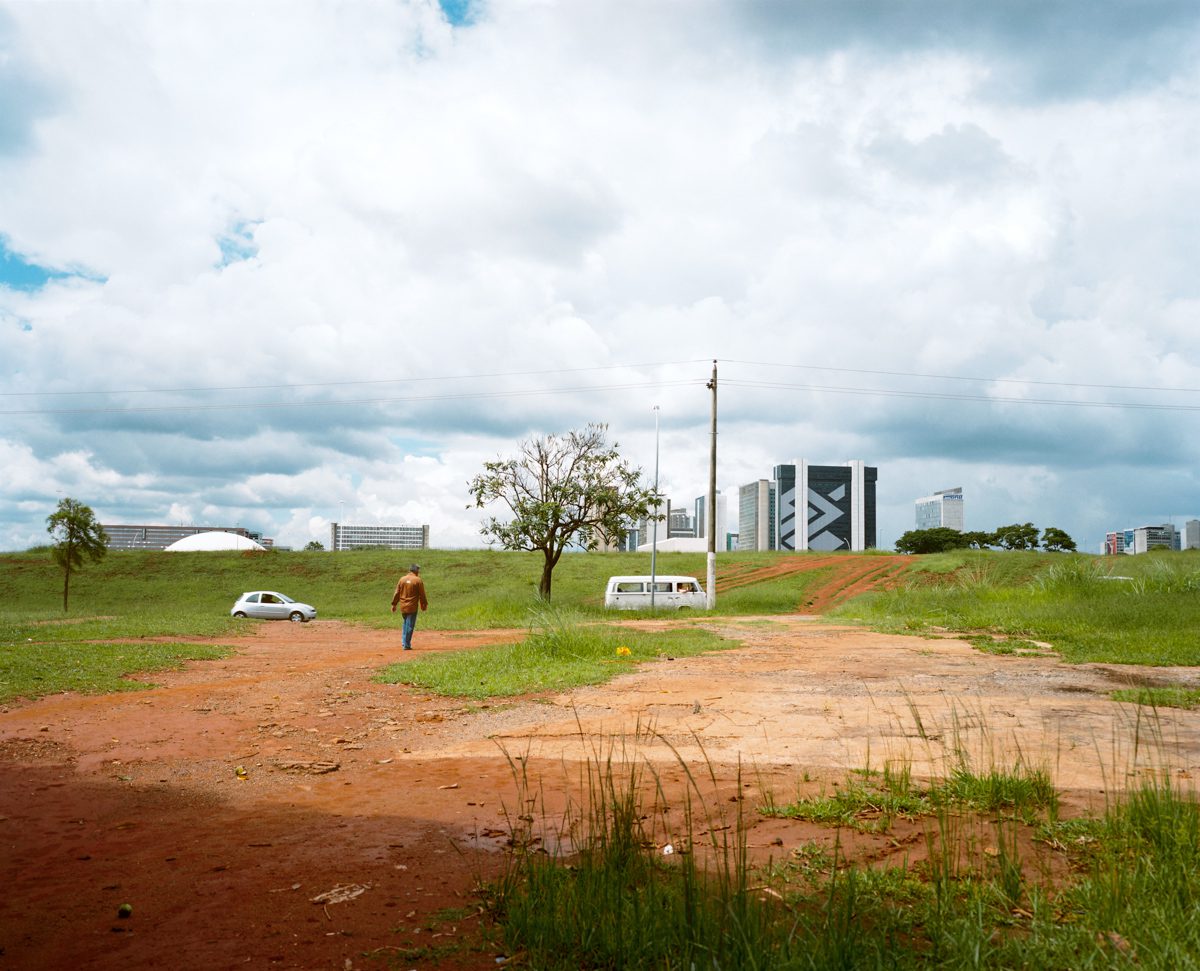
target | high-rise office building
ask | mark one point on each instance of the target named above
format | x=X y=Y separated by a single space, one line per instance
x=1191 y=534
x=944 y=508
x=825 y=507
x=701 y=518
x=756 y=515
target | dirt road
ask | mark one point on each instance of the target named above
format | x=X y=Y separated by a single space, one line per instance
x=222 y=802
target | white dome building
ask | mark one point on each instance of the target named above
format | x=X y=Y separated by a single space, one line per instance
x=214 y=540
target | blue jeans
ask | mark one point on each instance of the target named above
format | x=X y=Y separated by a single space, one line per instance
x=410 y=623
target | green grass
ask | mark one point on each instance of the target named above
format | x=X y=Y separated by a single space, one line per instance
x=869 y=801
x=1126 y=894
x=1187 y=698
x=559 y=653
x=468 y=589
x=1064 y=600
x=33 y=670
x=136 y=595
x=1012 y=598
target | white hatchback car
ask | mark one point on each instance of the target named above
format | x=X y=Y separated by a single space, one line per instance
x=269 y=605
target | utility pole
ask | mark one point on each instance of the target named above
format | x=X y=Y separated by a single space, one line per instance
x=654 y=526
x=711 y=518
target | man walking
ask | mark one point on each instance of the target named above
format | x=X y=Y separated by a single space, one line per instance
x=410 y=594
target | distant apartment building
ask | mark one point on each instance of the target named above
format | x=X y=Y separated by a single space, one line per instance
x=1191 y=534
x=343 y=536
x=1114 y=543
x=825 y=507
x=756 y=515
x=942 y=509
x=680 y=524
x=128 y=537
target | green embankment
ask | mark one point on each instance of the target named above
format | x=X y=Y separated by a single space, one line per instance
x=172 y=593
x=1072 y=603
x=141 y=595
x=1130 y=610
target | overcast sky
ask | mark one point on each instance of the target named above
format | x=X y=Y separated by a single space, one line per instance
x=269 y=264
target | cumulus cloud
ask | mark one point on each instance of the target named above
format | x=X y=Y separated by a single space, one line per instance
x=325 y=261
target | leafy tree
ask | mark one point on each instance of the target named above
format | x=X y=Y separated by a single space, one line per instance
x=560 y=490
x=935 y=540
x=76 y=534
x=314 y=544
x=1057 y=541
x=978 y=539
x=1018 y=536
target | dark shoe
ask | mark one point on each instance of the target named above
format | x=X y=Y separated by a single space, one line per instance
x=408 y=649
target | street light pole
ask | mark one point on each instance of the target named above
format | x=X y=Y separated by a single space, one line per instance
x=654 y=521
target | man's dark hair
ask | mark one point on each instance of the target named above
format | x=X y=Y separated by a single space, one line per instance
x=414 y=569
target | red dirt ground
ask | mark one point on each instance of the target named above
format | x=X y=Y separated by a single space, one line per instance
x=405 y=798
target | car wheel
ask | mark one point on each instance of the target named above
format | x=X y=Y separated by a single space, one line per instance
x=296 y=617
x=240 y=614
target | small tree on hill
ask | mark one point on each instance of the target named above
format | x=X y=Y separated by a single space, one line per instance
x=314 y=545
x=76 y=534
x=562 y=490
x=1018 y=536
x=1057 y=541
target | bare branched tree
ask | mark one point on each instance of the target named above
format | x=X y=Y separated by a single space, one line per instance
x=562 y=489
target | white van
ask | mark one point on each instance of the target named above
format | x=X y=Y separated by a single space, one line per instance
x=670 y=593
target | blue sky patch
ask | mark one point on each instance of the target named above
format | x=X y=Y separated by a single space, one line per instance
x=238 y=244
x=458 y=12
x=17 y=273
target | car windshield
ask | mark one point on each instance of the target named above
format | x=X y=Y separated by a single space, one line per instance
x=286 y=600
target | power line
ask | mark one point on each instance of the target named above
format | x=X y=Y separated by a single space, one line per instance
x=347 y=384
x=583 y=389
x=341 y=402
x=950 y=396
x=961 y=377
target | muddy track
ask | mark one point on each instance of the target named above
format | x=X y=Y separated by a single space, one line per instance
x=848 y=577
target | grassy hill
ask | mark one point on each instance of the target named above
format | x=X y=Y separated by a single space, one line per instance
x=1152 y=616
x=175 y=594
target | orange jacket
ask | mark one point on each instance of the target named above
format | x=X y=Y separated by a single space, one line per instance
x=410 y=593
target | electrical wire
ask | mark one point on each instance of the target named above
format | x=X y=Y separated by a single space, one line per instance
x=341 y=402
x=960 y=377
x=950 y=396
x=583 y=389
x=347 y=384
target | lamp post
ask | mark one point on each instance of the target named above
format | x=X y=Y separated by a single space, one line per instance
x=654 y=521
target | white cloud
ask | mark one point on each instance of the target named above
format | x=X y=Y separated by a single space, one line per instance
x=560 y=187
